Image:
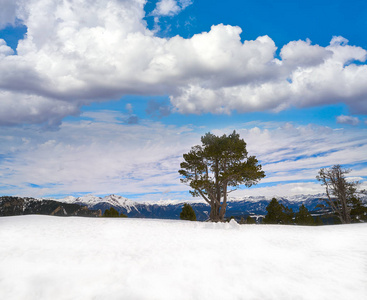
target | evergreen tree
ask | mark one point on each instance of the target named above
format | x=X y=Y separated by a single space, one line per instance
x=187 y=213
x=288 y=215
x=111 y=213
x=274 y=212
x=250 y=220
x=106 y=213
x=303 y=216
x=358 y=212
x=230 y=218
x=122 y=215
x=278 y=214
x=318 y=221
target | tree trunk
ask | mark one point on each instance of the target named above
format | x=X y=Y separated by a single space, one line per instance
x=346 y=214
x=214 y=212
x=222 y=212
x=342 y=195
x=223 y=207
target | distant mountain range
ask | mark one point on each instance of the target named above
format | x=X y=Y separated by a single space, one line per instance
x=90 y=205
x=237 y=207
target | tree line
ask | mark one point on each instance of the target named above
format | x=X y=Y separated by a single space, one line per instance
x=221 y=164
x=277 y=213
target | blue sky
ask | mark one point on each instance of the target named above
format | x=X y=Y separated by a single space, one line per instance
x=105 y=97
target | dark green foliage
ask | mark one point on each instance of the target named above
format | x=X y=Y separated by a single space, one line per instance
x=11 y=206
x=358 y=212
x=329 y=219
x=250 y=220
x=318 y=221
x=187 y=213
x=275 y=212
x=218 y=166
x=303 y=217
x=278 y=214
x=230 y=218
x=113 y=213
x=242 y=221
x=289 y=215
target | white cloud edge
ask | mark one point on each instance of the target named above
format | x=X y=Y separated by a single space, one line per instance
x=350 y=120
x=170 y=8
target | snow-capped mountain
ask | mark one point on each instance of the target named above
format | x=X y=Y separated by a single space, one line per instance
x=293 y=199
x=104 y=203
x=171 y=209
x=237 y=207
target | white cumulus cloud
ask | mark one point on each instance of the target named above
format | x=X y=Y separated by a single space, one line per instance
x=347 y=120
x=5 y=49
x=77 y=52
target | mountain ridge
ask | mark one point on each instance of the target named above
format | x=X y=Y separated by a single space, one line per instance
x=237 y=207
x=171 y=209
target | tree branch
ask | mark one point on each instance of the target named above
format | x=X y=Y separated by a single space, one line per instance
x=204 y=197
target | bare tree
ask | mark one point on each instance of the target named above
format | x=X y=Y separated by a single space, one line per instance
x=340 y=192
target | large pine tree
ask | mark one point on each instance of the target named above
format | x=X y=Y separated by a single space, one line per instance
x=216 y=167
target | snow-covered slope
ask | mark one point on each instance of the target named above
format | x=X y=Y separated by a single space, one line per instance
x=44 y=257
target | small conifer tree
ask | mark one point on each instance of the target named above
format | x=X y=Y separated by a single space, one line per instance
x=106 y=213
x=303 y=216
x=242 y=221
x=111 y=213
x=278 y=213
x=250 y=220
x=318 y=221
x=358 y=212
x=187 y=213
x=288 y=215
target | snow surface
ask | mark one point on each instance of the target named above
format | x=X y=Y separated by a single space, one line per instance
x=44 y=257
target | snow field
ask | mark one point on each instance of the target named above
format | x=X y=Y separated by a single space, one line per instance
x=43 y=257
